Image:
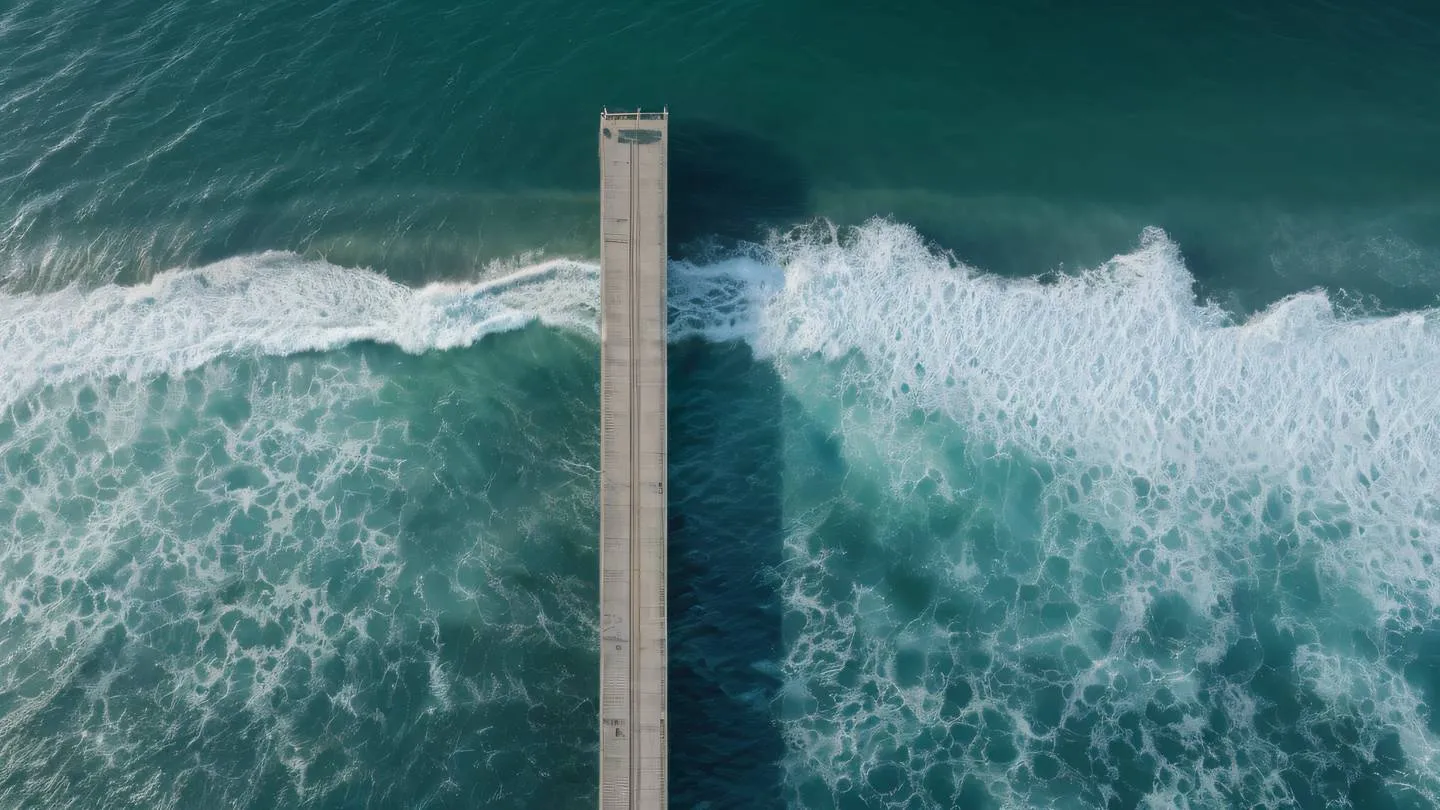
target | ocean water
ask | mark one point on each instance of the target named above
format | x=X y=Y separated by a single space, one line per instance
x=1055 y=403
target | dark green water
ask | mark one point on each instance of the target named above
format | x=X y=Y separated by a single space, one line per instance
x=1098 y=471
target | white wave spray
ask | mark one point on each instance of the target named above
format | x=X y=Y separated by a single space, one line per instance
x=267 y=304
x=1199 y=448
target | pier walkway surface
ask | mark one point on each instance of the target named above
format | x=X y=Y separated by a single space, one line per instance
x=633 y=739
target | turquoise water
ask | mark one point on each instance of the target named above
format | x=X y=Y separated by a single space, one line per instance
x=1053 y=411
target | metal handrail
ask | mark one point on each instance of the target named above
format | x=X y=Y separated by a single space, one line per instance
x=637 y=115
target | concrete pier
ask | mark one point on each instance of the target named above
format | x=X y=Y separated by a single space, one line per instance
x=633 y=739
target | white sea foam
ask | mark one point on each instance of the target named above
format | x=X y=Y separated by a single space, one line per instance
x=210 y=555
x=1122 y=373
x=1158 y=453
x=267 y=304
x=1162 y=457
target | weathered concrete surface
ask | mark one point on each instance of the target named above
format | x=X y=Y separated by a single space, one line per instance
x=633 y=174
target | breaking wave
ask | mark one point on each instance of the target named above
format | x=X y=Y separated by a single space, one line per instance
x=1157 y=544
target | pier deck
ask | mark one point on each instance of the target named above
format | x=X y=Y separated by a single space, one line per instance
x=633 y=174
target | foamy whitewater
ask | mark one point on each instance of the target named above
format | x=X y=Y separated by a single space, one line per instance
x=1057 y=542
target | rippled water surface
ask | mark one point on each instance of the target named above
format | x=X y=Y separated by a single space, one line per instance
x=1053 y=403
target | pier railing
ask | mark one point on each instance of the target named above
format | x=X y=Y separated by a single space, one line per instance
x=635 y=115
